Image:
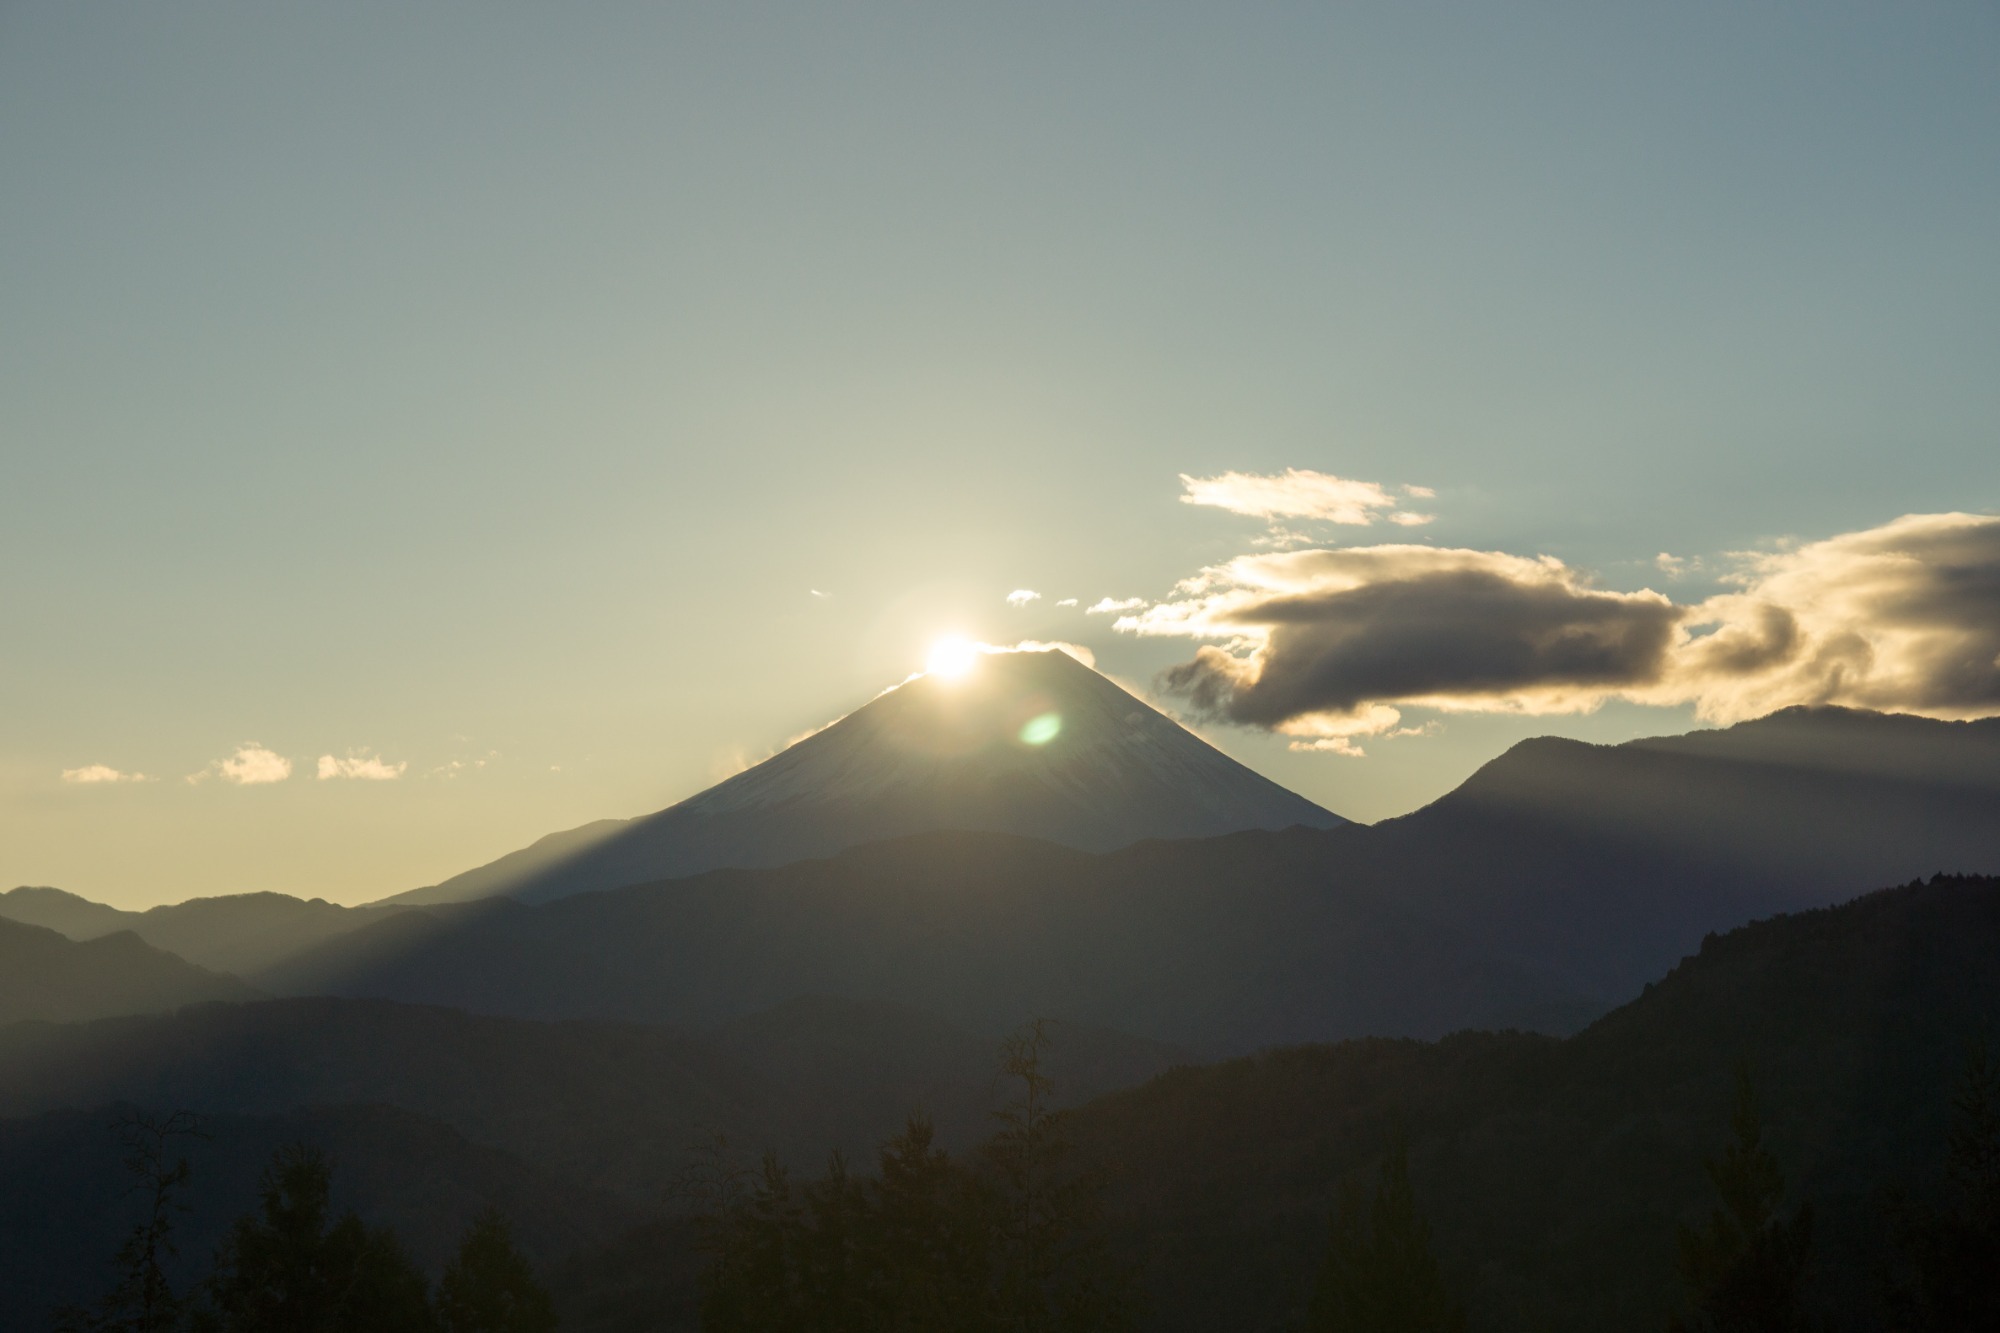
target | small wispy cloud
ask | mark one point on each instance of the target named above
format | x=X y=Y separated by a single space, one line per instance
x=1108 y=605
x=1022 y=596
x=455 y=767
x=360 y=766
x=251 y=766
x=1293 y=493
x=1067 y=601
x=92 y=774
x=1299 y=495
x=817 y=593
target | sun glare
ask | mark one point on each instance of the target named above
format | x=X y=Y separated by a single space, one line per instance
x=951 y=658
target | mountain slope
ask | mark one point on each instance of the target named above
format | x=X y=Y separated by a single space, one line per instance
x=1218 y=944
x=1554 y=1172
x=615 y=1106
x=1097 y=769
x=1608 y=862
x=64 y=913
x=47 y=976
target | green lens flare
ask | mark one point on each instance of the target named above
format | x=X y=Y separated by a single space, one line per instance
x=1041 y=730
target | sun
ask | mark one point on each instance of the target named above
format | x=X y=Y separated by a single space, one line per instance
x=951 y=658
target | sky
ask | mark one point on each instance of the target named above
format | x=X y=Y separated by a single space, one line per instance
x=423 y=428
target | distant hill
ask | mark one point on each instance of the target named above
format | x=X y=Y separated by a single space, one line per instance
x=615 y=1106
x=65 y=1200
x=1031 y=743
x=1217 y=944
x=1606 y=863
x=1550 y=885
x=64 y=913
x=44 y=975
x=240 y=933
x=1554 y=1172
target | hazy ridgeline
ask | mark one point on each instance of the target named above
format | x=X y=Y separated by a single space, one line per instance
x=1425 y=1100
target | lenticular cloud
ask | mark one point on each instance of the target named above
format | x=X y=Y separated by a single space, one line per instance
x=1326 y=645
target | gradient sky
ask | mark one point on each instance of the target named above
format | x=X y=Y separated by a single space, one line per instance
x=487 y=389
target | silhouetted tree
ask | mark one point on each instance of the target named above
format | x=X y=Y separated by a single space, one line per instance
x=286 y=1270
x=931 y=1238
x=1380 y=1275
x=1007 y=1243
x=1744 y=1272
x=1950 y=1278
x=143 y=1299
x=1056 y=1272
x=489 y=1287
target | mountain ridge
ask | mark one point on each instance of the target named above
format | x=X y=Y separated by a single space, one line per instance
x=1029 y=742
x=45 y=975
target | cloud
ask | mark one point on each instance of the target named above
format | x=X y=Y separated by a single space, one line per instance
x=1420 y=492
x=1904 y=618
x=252 y=765
x=817 y=593
x=91 y=774
x=360 y=765
x=1295 y=493
x=1321 y=643
x=1022 y=596
x=1407 y=519
x=1107 y=605
x=1328 y=645
x=1067 y=601
x=453 y=768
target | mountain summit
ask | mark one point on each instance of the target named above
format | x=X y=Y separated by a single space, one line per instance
x=1033 y=743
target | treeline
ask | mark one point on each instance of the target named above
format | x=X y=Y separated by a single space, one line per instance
x=1011 y=1239
x=292 y=1266
x=1747 y=1269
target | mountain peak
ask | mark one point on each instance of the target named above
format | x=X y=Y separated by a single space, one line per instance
x=1026 y=742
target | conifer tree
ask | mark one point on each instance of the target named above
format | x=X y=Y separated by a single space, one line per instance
x=1951 y=1257
x=489 y=1287
x=1056 y=1271
x=143 y=1299
x=1379 y=1275
x=1007 y=1244
x=930 y=1240
x=286 y=1270
x=1744 y=1272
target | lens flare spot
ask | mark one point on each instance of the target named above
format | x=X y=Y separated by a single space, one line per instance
x=951 y=658
x=1041 y=730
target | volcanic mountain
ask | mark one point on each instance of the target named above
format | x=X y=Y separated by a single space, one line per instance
x=1032 y=743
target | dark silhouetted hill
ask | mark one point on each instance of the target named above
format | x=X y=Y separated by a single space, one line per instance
x=66 y=1202
x=1559 y=878
x=1554 y=1171
x=1217 y=944
x=44 y=975
x=1604 y=863
x=614 y=1106
x=1031 y=743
